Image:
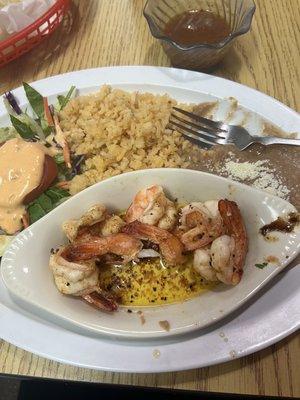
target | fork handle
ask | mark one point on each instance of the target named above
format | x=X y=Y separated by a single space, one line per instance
x=275 y=140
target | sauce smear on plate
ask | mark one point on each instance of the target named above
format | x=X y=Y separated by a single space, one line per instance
x=280 y=224
x=197 y=26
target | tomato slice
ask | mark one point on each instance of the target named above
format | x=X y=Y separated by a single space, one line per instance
x=49 y=174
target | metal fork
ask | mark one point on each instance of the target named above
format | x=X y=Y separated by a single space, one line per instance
x=208 y=133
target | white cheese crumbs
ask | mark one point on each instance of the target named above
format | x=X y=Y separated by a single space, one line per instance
x=258 y=174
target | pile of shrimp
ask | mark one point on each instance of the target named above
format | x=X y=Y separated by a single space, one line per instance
x=153 y=226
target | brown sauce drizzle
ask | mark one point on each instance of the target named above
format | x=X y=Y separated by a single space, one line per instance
x=197 y=26
x=280 y=224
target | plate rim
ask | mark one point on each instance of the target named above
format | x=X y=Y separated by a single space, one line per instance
x=34 y=325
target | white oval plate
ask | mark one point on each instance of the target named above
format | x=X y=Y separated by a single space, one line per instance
x=25 y=263
x=268 y=317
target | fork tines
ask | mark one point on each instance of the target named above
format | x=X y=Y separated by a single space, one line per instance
x=205 y=131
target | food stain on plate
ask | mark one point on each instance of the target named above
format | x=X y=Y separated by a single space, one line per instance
x=142 y=317
x=223 y=336
x=272 y=259
x=156 y=353
x=271 y=238
x=233 y=354
x=164 y=325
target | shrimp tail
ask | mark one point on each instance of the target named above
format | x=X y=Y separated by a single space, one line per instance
x=92 y=246
x=85 y=250
x=101 y=300
x=170 y=246
x=143 y=231
x=235 y=227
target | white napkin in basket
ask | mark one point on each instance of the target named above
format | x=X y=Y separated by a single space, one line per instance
x=17 y=16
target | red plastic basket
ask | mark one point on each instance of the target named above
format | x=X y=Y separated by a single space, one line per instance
x=21 y=42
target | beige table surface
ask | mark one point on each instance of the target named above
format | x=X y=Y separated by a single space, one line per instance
x=113 y=32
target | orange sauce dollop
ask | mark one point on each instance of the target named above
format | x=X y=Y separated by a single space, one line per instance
x=21 y=169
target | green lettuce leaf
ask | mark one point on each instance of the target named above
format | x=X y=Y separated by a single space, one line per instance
x=23 y=129
x=8 y=133
x=46 y=202
x=35 y=100
x=63 y=100
x=59 y=159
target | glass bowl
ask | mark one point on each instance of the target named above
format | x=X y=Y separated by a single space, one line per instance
x=237 y=13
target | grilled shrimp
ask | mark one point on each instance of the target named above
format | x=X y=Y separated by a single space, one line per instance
x=151 y=206
x=230 y=267
x=113 y=224
x=96 y=221
x=201 y=223
x=80 y=279
x=170 y=246
x=225 y=259
x=202 y=264
x=120 y=244
x=95 y=214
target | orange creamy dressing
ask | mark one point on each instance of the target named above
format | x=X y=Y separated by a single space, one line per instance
x=21 y=169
